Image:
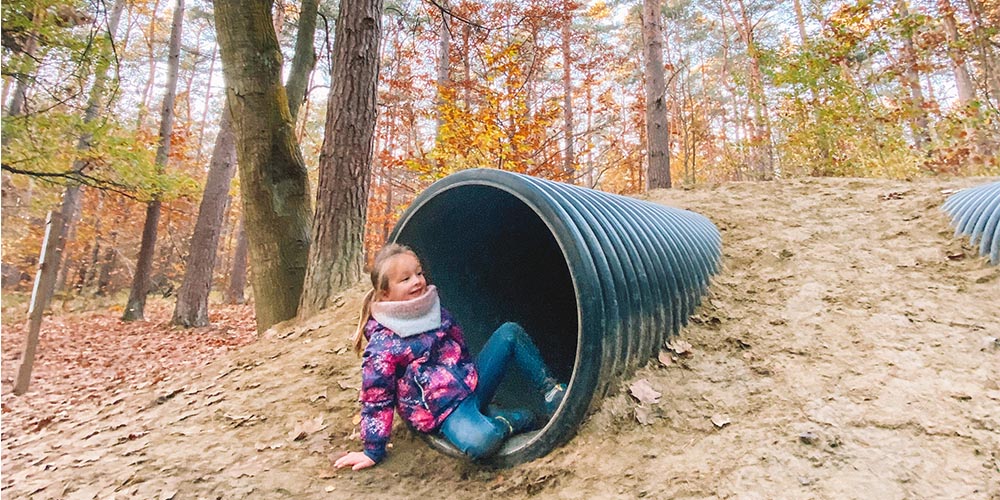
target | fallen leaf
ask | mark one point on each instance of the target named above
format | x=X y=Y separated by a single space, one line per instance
x=43 y=423
x=679 y=346
x=318 y=446
x=307 y=427
x=721 y=421
x=665 y=358
x=643 y=415
x=644 y=392
x=317 y=398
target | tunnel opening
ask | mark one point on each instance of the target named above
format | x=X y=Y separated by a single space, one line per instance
x=494 y=260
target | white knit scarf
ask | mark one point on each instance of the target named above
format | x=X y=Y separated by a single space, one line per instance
x=410 y=317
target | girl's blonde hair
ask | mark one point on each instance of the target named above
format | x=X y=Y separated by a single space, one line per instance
x=380 y=285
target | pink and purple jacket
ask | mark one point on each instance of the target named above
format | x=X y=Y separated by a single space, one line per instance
x=423 y=376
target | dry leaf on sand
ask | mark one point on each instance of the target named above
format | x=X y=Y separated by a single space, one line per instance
x=721 y=421
x=644 y=392
x=679 y=346
x=305 y=428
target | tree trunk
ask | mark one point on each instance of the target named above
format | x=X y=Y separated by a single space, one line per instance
x=657 y=129
x=466 y=68
x=987 y=59
x=760 y=127
x=956 y=52
x=304 y=59
x=443 y=69
x=336 y=256
x=911 y=80
x=206 y=106
x=147 y=91
x=135 y=308
x=825 y=158
x=111 y=253
x=238 y=272
x=95 y=254
x=192 y=299
x=273 y=176
x=27 y=65
x=136 y=305
x=569 y=155
x=70 y=206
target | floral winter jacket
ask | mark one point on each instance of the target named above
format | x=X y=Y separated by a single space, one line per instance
x=424 y=376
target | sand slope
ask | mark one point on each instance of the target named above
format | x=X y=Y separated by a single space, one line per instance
x=845 y=351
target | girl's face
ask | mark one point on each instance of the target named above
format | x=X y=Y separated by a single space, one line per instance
x=406 y=278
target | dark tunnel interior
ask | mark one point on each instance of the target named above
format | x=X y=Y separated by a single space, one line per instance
x=494 y=260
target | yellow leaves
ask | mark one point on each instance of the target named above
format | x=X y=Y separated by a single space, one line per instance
x=598 y=11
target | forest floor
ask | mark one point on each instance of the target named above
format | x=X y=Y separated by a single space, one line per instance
x=849 y=342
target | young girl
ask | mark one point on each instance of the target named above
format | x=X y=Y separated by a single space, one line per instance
x=416 y=362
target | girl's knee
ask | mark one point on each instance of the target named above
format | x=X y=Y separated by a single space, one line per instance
x=483 y=443
x=510 y=331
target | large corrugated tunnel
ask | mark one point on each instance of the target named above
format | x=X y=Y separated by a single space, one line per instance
x=598 y=280
x=976 y=212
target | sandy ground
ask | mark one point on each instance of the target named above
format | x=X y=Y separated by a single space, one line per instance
x=848 y=342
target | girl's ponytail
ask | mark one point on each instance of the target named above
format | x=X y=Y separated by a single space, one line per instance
x=366 y=312
x=380 y=283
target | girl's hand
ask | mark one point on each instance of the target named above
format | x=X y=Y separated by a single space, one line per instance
x=355 y=459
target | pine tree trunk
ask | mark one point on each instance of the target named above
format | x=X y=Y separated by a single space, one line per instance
x=657 y=129
x=956 y=52
x=443 y=69
x=911 y=80
x=569 y=155
x=466 y=67
x=135 y=308
x=95 y=254
x=111 y=253
x=273 y=176
x=336 y=256
x=147 y=91
x=238 y=271
x=136 y=305
x=192 y=299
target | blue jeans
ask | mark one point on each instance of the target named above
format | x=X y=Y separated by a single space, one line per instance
x=468 y=428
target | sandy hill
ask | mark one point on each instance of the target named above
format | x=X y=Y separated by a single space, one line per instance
x=847 y=350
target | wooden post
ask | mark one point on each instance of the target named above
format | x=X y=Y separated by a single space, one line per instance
x=41 y=294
